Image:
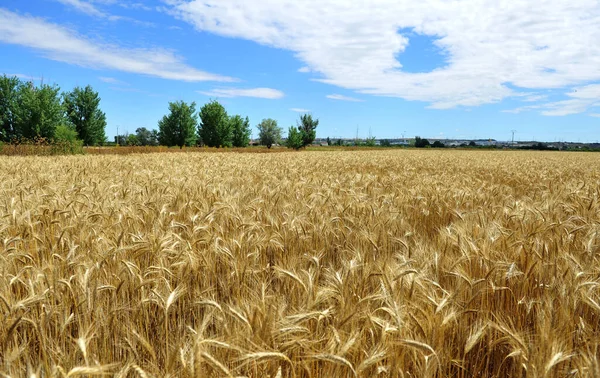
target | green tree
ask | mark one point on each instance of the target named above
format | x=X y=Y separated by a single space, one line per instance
x=178 y=128
x=420 y=142
x=146 y=137
x=308 y=129
x=9 y=92
x=268 y=132
x=294 y=138
x=39 y=111
x=240 y=128
x=121 y=140
x=386 y=143
x=82 y=106
x=371 y=141
x=438 y=144
x=132 y=140
x=214 y=129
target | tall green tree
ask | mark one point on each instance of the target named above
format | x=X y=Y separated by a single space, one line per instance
x=146 y=137
x=268 y=132
x=308 y=129
x=39 y=111
x=240 y=131
x=294 y=138
x=215 y=129
x=178 y=128
x=9 y=92
x=82 y=106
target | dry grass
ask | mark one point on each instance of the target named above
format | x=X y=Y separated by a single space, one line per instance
x=314 y=264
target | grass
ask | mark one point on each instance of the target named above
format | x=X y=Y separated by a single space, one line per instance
x=392 y=263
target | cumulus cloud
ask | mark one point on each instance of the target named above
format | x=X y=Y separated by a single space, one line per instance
x=267 y=93
x=343 y=98
x=300 y=110
x=65 y=45
x=491 y=48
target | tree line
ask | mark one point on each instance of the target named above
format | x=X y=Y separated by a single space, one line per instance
x=29 y=113
x=211 y=126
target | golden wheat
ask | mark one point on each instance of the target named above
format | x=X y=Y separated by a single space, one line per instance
x=390 y=263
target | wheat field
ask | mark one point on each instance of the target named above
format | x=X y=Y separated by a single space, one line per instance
x=398 y=263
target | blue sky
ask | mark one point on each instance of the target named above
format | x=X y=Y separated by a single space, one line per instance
x=456 y=69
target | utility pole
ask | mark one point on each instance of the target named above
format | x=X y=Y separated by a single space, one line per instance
x=513 y=136
x=117 y=135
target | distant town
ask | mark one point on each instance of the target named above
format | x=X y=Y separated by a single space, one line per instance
x=459 y=143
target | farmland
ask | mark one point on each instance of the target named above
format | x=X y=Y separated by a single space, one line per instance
x=398 y=263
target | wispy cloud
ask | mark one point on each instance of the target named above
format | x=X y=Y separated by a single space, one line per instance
x=136 y=6
x=23 y=76
x=300 y=110
x=92 y=10
x=579 y=100
x=304 y=69
x=267 y=93
x=112 y=80
x=84 y=7
x=62 y=44
x=510 y=46
x=534 y=98
x=597 y=115
x=343 y=98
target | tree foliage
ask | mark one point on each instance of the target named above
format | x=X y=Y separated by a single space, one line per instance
x=214 y=129
x=82 y=106
x=421 y=142
x=39 y=111
x=178 y=128
x=240 y=129
x=66 y=140
x=268 y=132
x=146 y=137
x=294 y=138
x=438 y=144
x=9 y=92
x=308 y=129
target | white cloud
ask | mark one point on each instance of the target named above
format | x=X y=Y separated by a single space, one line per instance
x=534 y=98
x=304 y=69
x=343 y=98
x=597 y=115
x=84 y=7
x=112 y=80
x=91 y=10
x=268 y=93
x=491 y=48
x=62 y=44
x=580 y=100
x=300 y=110
x=24 y=76
x=137 y=6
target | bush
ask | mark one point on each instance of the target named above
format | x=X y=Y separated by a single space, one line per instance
x=65 y=141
